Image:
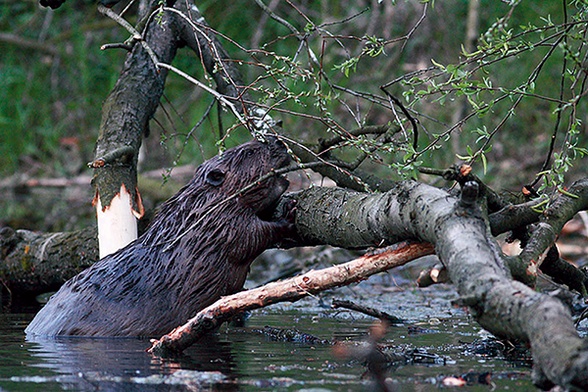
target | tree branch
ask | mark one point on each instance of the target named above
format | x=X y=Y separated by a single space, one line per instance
x=290 y=290
x=458 y=230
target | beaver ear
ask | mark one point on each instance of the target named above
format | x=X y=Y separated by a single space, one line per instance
x=215 y=177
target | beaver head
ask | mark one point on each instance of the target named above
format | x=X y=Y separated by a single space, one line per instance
x=239 y=170
x=228 y=184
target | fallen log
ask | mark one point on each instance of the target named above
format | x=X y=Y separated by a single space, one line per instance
x=462 y=239
x=32 y=263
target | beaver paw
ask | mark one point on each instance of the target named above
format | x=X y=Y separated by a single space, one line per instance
x=287 y=236
x=289 y=211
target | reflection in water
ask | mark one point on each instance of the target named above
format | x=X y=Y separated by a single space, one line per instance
x=123 y=364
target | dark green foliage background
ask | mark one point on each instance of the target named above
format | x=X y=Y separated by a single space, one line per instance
x=54 y=78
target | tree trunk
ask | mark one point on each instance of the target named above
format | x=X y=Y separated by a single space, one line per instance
x=125 y=118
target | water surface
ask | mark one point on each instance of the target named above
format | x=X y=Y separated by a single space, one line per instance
x=241 y=359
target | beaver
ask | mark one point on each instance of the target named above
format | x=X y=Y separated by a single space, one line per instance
x=198 y=248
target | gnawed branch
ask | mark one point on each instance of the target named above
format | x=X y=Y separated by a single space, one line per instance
x=290 y=290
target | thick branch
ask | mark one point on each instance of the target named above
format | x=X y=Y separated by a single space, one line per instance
x=33 y=263
x=288 y=290
x=513 y=216
x=551 y=222
x=544 y=234
x=563 y=272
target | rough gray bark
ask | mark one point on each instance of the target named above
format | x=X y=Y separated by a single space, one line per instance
x=462 y=240
x=34 y=263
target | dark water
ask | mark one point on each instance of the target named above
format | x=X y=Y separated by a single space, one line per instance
x=239 y=359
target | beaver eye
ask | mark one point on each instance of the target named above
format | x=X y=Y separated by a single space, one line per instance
x=215 y=177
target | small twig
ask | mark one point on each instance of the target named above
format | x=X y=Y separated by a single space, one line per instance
x=367 y=310
x=277 y=18
x=345 y=20
x=331 y=169
x=415 y=27
x=127 y=7
x=122 y=45
x=413 y=122
x=366 y=130
x=562 y=89
x=221 y=98
x=121 y=21
x=215 y=48
x=134 y=33
x=9 y=304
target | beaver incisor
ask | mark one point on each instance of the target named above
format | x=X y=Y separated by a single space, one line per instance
x=197 y=249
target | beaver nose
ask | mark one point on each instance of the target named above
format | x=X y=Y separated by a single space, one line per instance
x=275 y=143
x=278 y=151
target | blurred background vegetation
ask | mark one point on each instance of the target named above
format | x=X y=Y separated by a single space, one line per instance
x=54 y=78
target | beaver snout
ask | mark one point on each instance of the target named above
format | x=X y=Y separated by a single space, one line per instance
x=278 y=151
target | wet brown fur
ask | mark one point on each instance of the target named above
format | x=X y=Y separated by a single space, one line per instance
x=197 y=249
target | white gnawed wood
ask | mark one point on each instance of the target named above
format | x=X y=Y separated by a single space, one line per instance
x=117 y=224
